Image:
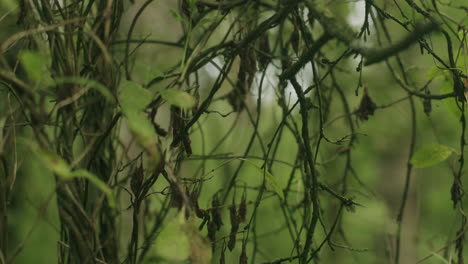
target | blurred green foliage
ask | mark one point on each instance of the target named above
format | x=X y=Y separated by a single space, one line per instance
x=380 y=152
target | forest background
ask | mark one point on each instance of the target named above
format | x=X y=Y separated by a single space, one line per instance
x=233 y=131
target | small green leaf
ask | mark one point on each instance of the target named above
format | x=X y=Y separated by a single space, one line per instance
x=142 y=128
x=56 y=164
x=269 y=179
x=178 y=98
x=81 y=173
x=451 y=102
x=89 y=83
x=434 y=72
x=133 y=97
x=430 y=155
x=35 y=65
x=440 y=257
x=50 y=160
x=180 y=241
x=192 y=3
x=173 y=243
x=149 y=74
x=9 y=4
x=176 y=16
x=61 y=168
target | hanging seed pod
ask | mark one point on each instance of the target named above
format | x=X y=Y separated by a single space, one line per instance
x=222 y=258
x=456 y=193
x=203 y=223
x=465 y=83
x=159 y=130
x=243 y=256
x=232 y=242
x=366 y=107
x=216 y=212
x=185 y=8
x=193 y=197
x=295 y=38
x=178 y=127
x=459 y=89
x=211 y=230
x=243 y=210
x=263 y=56
x=233 y=216
x=234 y=227
x=250 y=62
x=22 y=12
x=136 y=180
x=176 y=196
x=427 y=105
x=245 y=78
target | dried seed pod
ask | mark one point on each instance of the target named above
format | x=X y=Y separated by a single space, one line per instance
x=222 y=258
x=233 y=216
x=185 y=8
x=465 y=84
x=205 y=220
x=232 y=242
x=215 y=212
x=176 y=196
x=234 y=227
x=459 y=89
x=200 y=213
x=427 y=104
x=159 y=130
x=456 y=193
x=178 y=130
x=263 y=56
x=243 y=256
x=243 y=210
x=366 y=107
x=136 y=180
x=295 y=37
x=245 y=78
x=22 y=12
x=211 y=230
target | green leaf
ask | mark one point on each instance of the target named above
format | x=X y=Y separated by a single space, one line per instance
x=192 y=3
x=173 y=243
x=149 y=73
x=60 y=167
x=434 y=72
x=133 y=97
x=141 y=128
x=451 y=102
x=271 y=181
x=440 y=257
x=35 y=65
x=176 y=16
x=430 y=155
x=56 y=164
x=81 y=173
x=180 y=241
x=9 y=4
x=50 y=160
x=178 y=98
x=87 y=83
